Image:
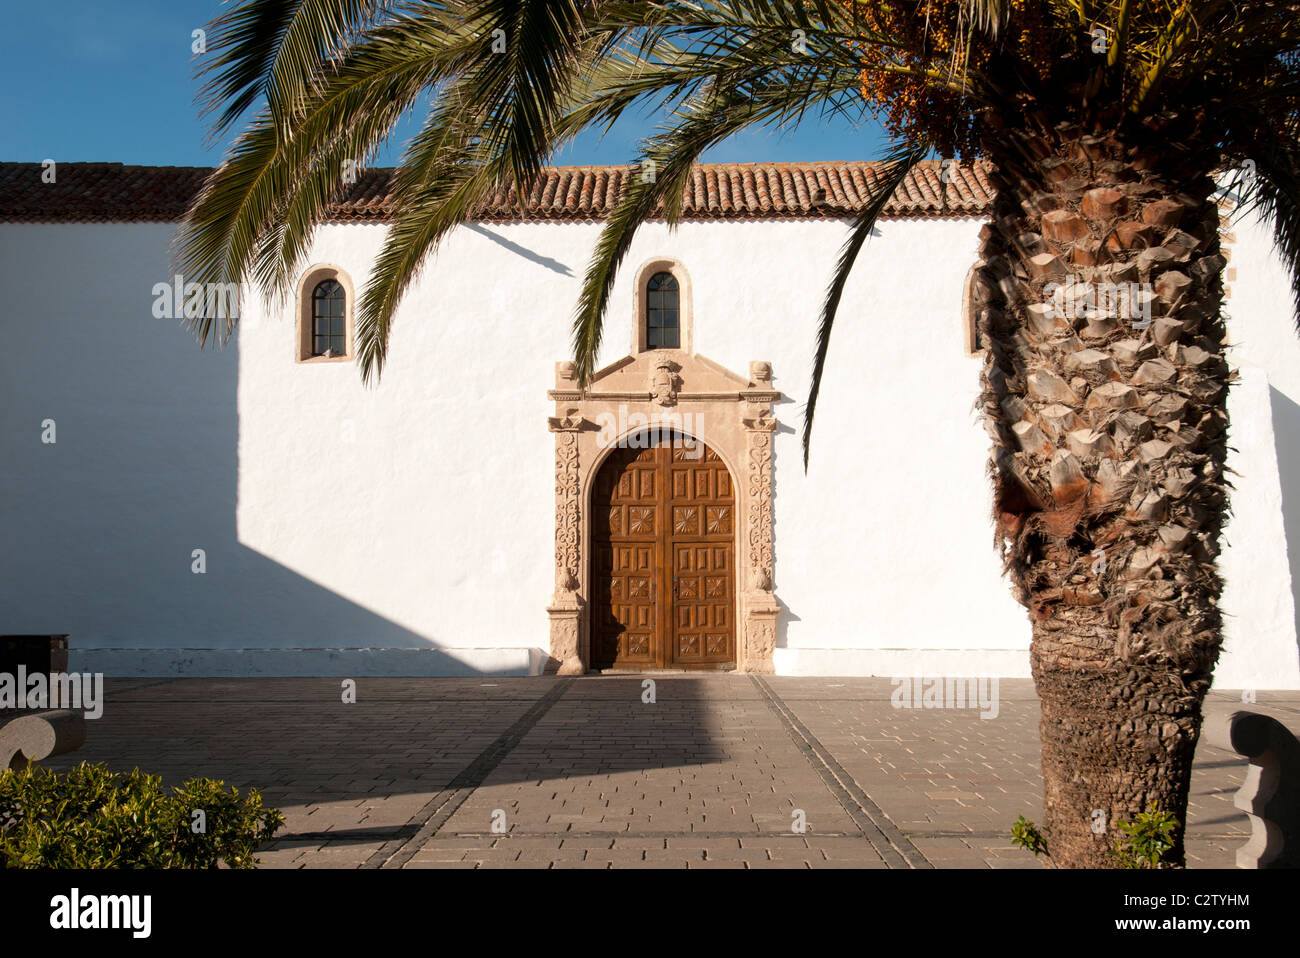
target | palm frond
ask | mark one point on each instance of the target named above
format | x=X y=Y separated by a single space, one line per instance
x=255 y=212
x=273 y=48
x=420 y=223
x=1274 y=193
x=895 y=169
x=765 y=81
x=379 y=80
x=492 y=125
x=1177 y=36
x=988 y=15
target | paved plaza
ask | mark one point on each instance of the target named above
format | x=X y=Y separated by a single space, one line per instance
x=720 y=771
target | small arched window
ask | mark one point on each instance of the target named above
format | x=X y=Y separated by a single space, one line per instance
x=972 y=304
x=324 y=306
x=662 y=313
x=329 y=319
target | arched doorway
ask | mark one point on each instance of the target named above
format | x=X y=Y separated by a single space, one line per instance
x=663 y=569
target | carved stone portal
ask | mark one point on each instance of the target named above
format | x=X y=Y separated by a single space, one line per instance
x=661 y=390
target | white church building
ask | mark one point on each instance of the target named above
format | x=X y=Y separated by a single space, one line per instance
x=257 y=510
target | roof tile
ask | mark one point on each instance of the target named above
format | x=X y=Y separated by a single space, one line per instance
x=111 y=192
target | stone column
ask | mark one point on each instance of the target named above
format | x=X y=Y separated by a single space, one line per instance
x=760 y=606
x=565 y=610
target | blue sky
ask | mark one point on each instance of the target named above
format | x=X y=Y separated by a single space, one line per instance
x=114 y=81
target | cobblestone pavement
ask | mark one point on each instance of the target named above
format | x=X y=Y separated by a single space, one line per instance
x=718 y=772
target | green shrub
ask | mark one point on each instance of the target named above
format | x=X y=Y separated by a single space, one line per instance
x=96 y=818
x=1026 y=834
x=1143 y=842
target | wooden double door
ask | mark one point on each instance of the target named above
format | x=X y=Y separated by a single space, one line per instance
x=663 y=559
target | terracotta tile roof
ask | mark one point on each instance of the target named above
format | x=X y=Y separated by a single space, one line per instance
x=111 y=192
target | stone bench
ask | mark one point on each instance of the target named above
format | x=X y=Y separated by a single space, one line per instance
x=39 y=735
x=1270 y=794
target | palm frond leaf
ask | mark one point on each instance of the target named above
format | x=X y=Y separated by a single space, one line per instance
x=894 y=171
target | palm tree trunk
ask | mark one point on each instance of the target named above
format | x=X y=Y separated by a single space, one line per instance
x=1108 y=460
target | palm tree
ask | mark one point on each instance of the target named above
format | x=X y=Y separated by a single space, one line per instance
x=1103 y=121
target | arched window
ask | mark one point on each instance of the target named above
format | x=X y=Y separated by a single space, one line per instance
x=325 y=305
x=661 y=309
x=328 y=319
x=662 y=313
x=971 y=306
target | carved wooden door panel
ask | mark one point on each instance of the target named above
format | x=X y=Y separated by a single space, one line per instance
x=702 y=550
x=663 y=559
x=627 y=565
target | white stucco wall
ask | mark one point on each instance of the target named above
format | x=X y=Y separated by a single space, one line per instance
x=1261 y=593
x=877 y=548
x=432 y=530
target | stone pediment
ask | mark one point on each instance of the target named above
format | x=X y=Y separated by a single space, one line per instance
x=666 y=377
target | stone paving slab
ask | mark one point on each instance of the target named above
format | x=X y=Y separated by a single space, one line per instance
x=548 y=772
x=943 y=772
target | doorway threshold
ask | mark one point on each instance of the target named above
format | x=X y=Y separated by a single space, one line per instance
x=650 y=672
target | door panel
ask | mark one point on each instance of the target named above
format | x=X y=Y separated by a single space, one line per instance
x=663 y=559
x=702 y=603
x=702 y=551
x=626 y=558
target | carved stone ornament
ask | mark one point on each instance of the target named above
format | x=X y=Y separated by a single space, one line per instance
x=571 y=421
x=758 y=416
x=566 y=512
x=664 y=381
x=760 y=509
x=566 y=607
x=566 y=634
x=760 y=642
